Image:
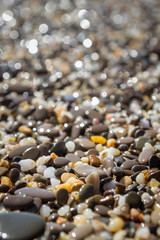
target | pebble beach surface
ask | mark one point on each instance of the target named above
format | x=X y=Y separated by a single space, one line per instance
x=80 y=120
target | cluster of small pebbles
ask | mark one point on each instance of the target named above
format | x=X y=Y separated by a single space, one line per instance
x=80 y=120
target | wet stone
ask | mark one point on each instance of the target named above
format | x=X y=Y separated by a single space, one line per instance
x=58 y=148
x=67 y=226
x=86 y=143
x=85 y=170
x=140 y=142
x=72 y=157
x=154 y=162
x=14 y=174
x=35 y=192
x=40 y=114
x=17 y=202
x=148 y=202
x=125 y=140
x=133 y=199
x=128 y=164
x=117 y=171
x=31 y=153
x=102 y=210
x=137 y=168
x=145 y=156
x=92 y=152
x=32 y=227
x=62 y=196
x=94 y=160
x=35 y=207
x=59 y=172
x=61 y=161
x=4 y=188
x=93 y=179
x=79 y=233
x=19 y=150
x=86 y=191
x=75 y=132
x=155 y=175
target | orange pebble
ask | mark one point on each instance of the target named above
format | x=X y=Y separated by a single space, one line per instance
x=64 y=185
x=6 y=181
x=111 y=142
x=61 y=220
x=66 y=176
x=53 y=156
x=98 y=139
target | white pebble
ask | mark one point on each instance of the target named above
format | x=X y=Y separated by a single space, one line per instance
x=119 y=235
x=146 y=218
x=81 y=207
x=158 y=231
x=28 y=140
x=63 y=210
x=88 y=213
x=45 y=210
x=143 y=233
x=27 y=164
x=41 y=169
x=122 y=200
x=42 y=160
x=43 y=139
x=145 y=196
x=55 y=182
x=70 y=145
x=140 y=179
x=49 y=172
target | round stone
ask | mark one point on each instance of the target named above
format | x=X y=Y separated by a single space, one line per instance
x=28 y=225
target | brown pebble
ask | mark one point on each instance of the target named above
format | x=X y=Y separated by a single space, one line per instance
x=126 y=180
x=94 y=160
x=62 y=196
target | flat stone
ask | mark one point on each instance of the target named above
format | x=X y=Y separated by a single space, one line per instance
x=58 y=148
x=79 y=233
x=35 y=192
x=75 y=132
x=67 y=226
x=86 y=143
x=17 y=202
x=62 y=196
x=94 y=114
x=145 y=156
x=47 y=129
x=72 y=157
x=125 y=140
x=137 y=168
x=102 y=210
x=85 y=170
x=31 y=153
x=19 y=150
x=61 y=161
x=128 y=164
x=21 y=226
x=99 y=128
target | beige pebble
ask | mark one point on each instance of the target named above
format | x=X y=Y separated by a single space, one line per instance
x=116 y=224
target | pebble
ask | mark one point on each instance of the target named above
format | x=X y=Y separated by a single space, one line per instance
x=155 y=217
x=94 y=160
x=19 y=150
x=31 y=153
x=140 y=142
x=79 y=233
x=154 y=162
x=128 y=164
x=86 y=143
x=35 y=192
x=143 y=233
x=17 y=202
x=85 y=170
x=140 y=179
x=133 y=199
x=126 y=180
x=32 y=227
x=102 y=210
x=27 y=165
x=86 y=191
x=49 y=172
x=70 y=145
x=45 y=210
x=54 y=182
x=116 y=224
x=125 y=140
x=62 y=196
x=98 y=139
x=63 y=210
x=145 y=156
x=73 y=157
x=94 y=180
x=14 y=174
x=61 y=161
